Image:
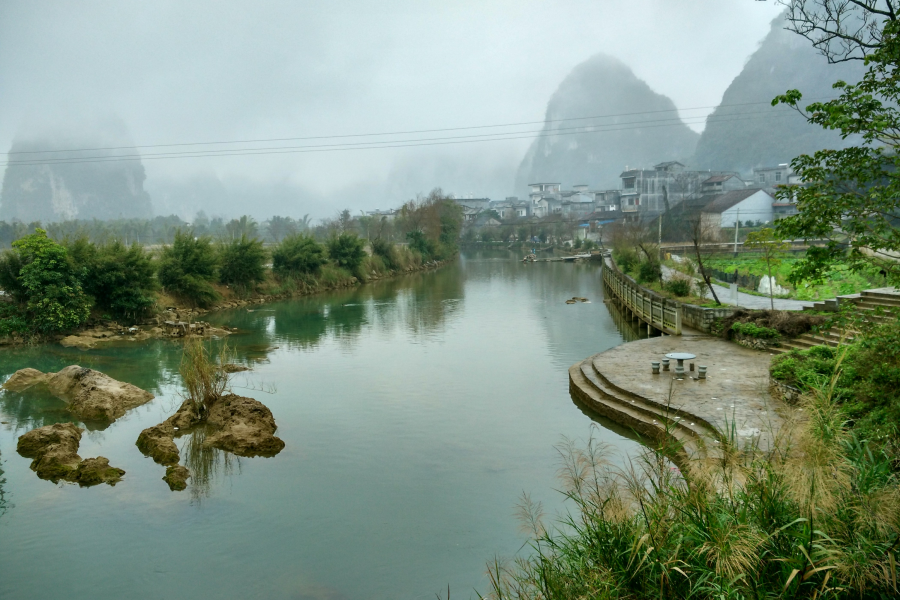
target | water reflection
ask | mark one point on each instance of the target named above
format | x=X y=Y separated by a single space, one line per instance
x=206 y=464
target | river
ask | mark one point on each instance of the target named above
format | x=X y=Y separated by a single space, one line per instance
x=415 y=412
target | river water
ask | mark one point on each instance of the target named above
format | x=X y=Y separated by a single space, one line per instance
x=415 y=412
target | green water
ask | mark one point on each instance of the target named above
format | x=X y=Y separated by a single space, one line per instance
x=415 y=413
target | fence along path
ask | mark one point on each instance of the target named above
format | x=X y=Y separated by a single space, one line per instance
x=664 y=315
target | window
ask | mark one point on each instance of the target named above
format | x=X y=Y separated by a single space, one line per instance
x=762 y=178
x=777 y=175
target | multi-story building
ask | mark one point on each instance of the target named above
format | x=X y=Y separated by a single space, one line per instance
x=668 y=184
x=545 y=199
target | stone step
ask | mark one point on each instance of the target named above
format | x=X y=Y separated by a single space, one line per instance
x=580 y=387
x=684 y=423
x=885 y=296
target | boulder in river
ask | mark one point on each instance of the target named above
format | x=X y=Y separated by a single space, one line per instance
x=91 y=395
x=176 y=476
x=158 y=443
x=54 y=449
x=246 y=427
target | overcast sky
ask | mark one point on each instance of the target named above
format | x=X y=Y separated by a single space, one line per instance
x=176 y=71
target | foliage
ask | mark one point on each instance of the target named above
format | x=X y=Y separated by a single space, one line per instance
x=187 y=267
x=242 y=262
x=387 y=251
x=53 y=297
x=297 y=255
x=424 y=246
x=868 y=382
x=347 y=250
x=755 y=331
x=649 y=271
x=678 y=287
x=852 y=196
x=119 y=278
x=205 y=380
x=816 y=517
x=626 y=259
x=772 y=249
x=13 y=320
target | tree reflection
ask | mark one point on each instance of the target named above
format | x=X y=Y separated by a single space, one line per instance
x=205 y=463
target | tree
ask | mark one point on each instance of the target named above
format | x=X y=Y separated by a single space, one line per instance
x=245 y=226
x=53 y=296
x=703 y=233
x=851 y=197
x=242 y=263
x=119 y=278
x=187 y=267
x=297 y=254
x=347 y=250
x=841 y=30
x=772 y=248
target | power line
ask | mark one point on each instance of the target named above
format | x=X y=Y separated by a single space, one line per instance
x=374 y=145
x=409 y=132
x=225 y=152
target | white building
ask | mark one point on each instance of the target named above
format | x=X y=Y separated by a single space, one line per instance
x=742 y=205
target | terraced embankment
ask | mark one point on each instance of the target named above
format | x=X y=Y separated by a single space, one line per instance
x=690 y=417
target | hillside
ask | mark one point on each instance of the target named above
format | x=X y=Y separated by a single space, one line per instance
x=601 y=86
x=57 y=191
x=736 y=140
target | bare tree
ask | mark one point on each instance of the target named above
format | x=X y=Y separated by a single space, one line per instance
x=842 y=30
x=703 y=233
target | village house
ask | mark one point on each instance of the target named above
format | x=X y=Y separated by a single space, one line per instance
x=718 y=184
x=385 y=214
x=738 y=205
x=545 y=199
x=648 y=191
x=511 y=208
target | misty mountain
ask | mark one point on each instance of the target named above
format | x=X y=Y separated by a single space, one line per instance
x=601 y=86
x=68 y=185
x=736 y=139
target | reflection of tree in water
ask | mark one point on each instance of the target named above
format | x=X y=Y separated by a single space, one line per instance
x=3 y=503
x=205 y=462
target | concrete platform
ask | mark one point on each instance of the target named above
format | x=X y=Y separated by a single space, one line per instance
x=733 y=401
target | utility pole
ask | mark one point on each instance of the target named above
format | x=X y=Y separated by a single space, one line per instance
x=659 y=239
x=737 y=226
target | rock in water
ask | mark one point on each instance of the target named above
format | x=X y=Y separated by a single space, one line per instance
x=54 y=449
x=91 y=395
x=176 y=476
x=246 y=427
x=157 y=442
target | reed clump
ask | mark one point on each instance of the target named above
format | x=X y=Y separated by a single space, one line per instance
x=203 y=374
x=816 y=516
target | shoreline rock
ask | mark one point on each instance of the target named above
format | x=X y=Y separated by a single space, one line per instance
x=90 y=395
x=176 y=476
x=246 y=427
x=54 y=449
x=158 y=442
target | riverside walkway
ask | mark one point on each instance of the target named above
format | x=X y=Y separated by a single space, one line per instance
x=732 y=402
x=744 y=300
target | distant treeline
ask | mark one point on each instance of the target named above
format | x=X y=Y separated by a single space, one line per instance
x=53 y=285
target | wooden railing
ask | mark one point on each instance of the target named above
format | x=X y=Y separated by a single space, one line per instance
x=653 y=310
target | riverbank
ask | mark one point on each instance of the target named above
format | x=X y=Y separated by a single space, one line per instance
x=173 y=321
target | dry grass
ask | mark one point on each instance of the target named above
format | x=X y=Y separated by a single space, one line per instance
x=203 y=374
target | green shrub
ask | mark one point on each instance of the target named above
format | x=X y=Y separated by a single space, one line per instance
x=627 y=259
x=297 y=255
x=13 y=320
x=387 y=251
x=648 y=272
x=119 y=278
x=755 y=331
x=187 y=268
x=242 y=263
x=347 y=251
x=10 y=266
x=419 y=242
x=53 y=297
x=678 y=287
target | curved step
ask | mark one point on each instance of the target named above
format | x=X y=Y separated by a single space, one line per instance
x=676 y=422
x=683 y=441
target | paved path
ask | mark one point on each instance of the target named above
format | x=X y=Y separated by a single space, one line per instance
x=744 y=300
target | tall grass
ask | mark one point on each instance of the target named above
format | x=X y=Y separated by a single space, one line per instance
x=204 y=379
x=817 y=516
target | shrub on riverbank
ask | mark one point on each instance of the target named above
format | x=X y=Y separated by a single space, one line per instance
x=187 y=269
x=40 y=278
x=817 y=517
x=120 y=279
x=242 y=263
x=869 y=378
x=296 y=256
x=347 y=251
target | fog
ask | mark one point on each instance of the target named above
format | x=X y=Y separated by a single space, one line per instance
x=176 y=72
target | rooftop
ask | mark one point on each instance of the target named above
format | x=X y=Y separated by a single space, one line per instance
x=729 y=199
